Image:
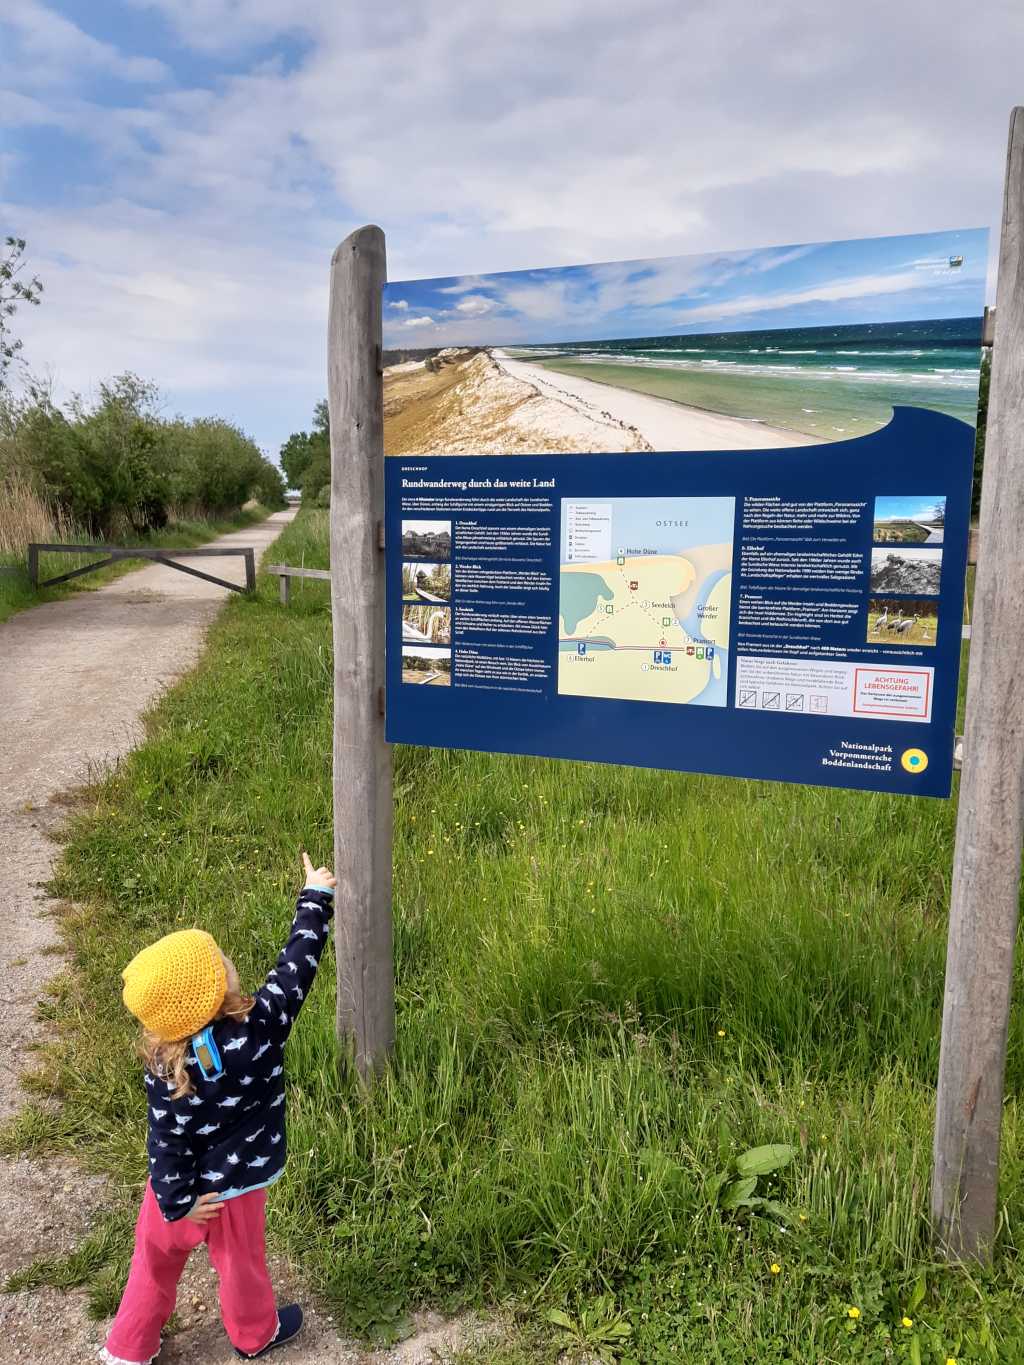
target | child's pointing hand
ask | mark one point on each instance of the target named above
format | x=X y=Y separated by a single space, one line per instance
x=319 y=876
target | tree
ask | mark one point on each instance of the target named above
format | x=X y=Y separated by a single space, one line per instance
x=306 y=456
x=13 y=293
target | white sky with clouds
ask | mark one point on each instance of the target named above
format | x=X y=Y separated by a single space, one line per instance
x=182 y=169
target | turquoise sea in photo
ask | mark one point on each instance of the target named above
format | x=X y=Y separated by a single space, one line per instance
x=832 y=382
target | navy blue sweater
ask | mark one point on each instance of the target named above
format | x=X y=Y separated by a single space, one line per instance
x=228 y=1137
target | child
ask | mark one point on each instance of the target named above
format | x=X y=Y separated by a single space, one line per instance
x=215 y=1091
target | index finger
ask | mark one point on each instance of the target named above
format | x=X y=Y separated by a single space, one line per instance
x=306 y=863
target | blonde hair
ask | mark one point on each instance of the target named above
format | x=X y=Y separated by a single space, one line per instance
x=166 y=1060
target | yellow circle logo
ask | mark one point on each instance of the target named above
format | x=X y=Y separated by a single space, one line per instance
x=914 y=760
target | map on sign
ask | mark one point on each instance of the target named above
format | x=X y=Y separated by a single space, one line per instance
x=644 y=591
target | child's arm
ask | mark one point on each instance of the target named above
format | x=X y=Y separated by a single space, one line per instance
x=172 y=1165
x=280 y=998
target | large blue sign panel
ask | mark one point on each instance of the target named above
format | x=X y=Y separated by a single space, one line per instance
x=757 y=566
x=758 y=614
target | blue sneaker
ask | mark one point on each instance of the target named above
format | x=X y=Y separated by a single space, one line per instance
x=289 y=1324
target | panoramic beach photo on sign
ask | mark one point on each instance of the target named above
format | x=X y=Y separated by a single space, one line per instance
x=706 y=513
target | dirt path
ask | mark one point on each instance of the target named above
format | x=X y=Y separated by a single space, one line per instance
x=78 y=676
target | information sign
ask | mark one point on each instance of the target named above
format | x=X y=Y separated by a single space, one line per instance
x=774 y=599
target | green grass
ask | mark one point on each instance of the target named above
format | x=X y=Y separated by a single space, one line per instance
x=610 y=982
x=17 y=593
x=899 y=532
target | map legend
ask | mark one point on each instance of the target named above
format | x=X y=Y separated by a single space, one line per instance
x=588 y=531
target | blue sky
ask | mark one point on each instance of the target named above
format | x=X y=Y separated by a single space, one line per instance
x=886 y=279
x=919 y=508
x=183 y=169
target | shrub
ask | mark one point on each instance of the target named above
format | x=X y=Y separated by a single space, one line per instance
x=116 y=460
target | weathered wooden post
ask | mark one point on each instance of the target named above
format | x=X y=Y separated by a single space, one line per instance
x=990 y=819
x=362 y=760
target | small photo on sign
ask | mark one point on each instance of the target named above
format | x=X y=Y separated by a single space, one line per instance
x=426 y=582
x=902 y=621
x=431 y=540
x=426 y=667
x=426 y=625
x=906 y=571
x=909 y=520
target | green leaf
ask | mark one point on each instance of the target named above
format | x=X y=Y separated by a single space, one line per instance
x=917 y=1296
x=782 y=1211
x=915 y=1350
x=715 y=1184
x=764 y=1160
x=559 y=1319
x=737 y=1193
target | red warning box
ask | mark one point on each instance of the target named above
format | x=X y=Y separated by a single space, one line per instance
x=905 y=692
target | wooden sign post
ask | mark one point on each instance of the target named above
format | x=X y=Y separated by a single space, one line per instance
x=990 y=818
x=362 y=759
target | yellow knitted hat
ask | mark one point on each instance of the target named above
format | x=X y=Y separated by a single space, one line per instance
x=176 y=985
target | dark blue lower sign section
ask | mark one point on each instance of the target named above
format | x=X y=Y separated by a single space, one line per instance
x=792 y=614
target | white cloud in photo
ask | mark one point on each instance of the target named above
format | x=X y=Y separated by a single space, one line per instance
x=50 y=48
x=832 y=291
x=475 y=306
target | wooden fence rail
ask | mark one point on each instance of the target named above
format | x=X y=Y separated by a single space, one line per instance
x=286 y=573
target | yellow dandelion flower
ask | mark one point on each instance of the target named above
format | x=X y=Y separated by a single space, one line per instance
x=430 y=852
x=803 y=1218
x=853 y=1312
x=721 y=1033
x=776 y=1269
x=950 y=1360
x=908 y=1322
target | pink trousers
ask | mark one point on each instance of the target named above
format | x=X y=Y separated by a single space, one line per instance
x=235 y=1242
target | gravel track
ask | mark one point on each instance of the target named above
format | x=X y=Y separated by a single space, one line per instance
x=78 y=676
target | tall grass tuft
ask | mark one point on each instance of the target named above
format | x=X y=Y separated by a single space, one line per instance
x=26 y=515
x=610 y=983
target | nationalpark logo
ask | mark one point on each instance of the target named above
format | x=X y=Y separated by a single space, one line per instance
x=914 y=760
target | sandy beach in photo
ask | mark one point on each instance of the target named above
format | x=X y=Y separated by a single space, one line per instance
x=465 y=403
x=660 y=423
x=483 y=402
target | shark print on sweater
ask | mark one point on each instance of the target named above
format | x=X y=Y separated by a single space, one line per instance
x=194 y=1141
